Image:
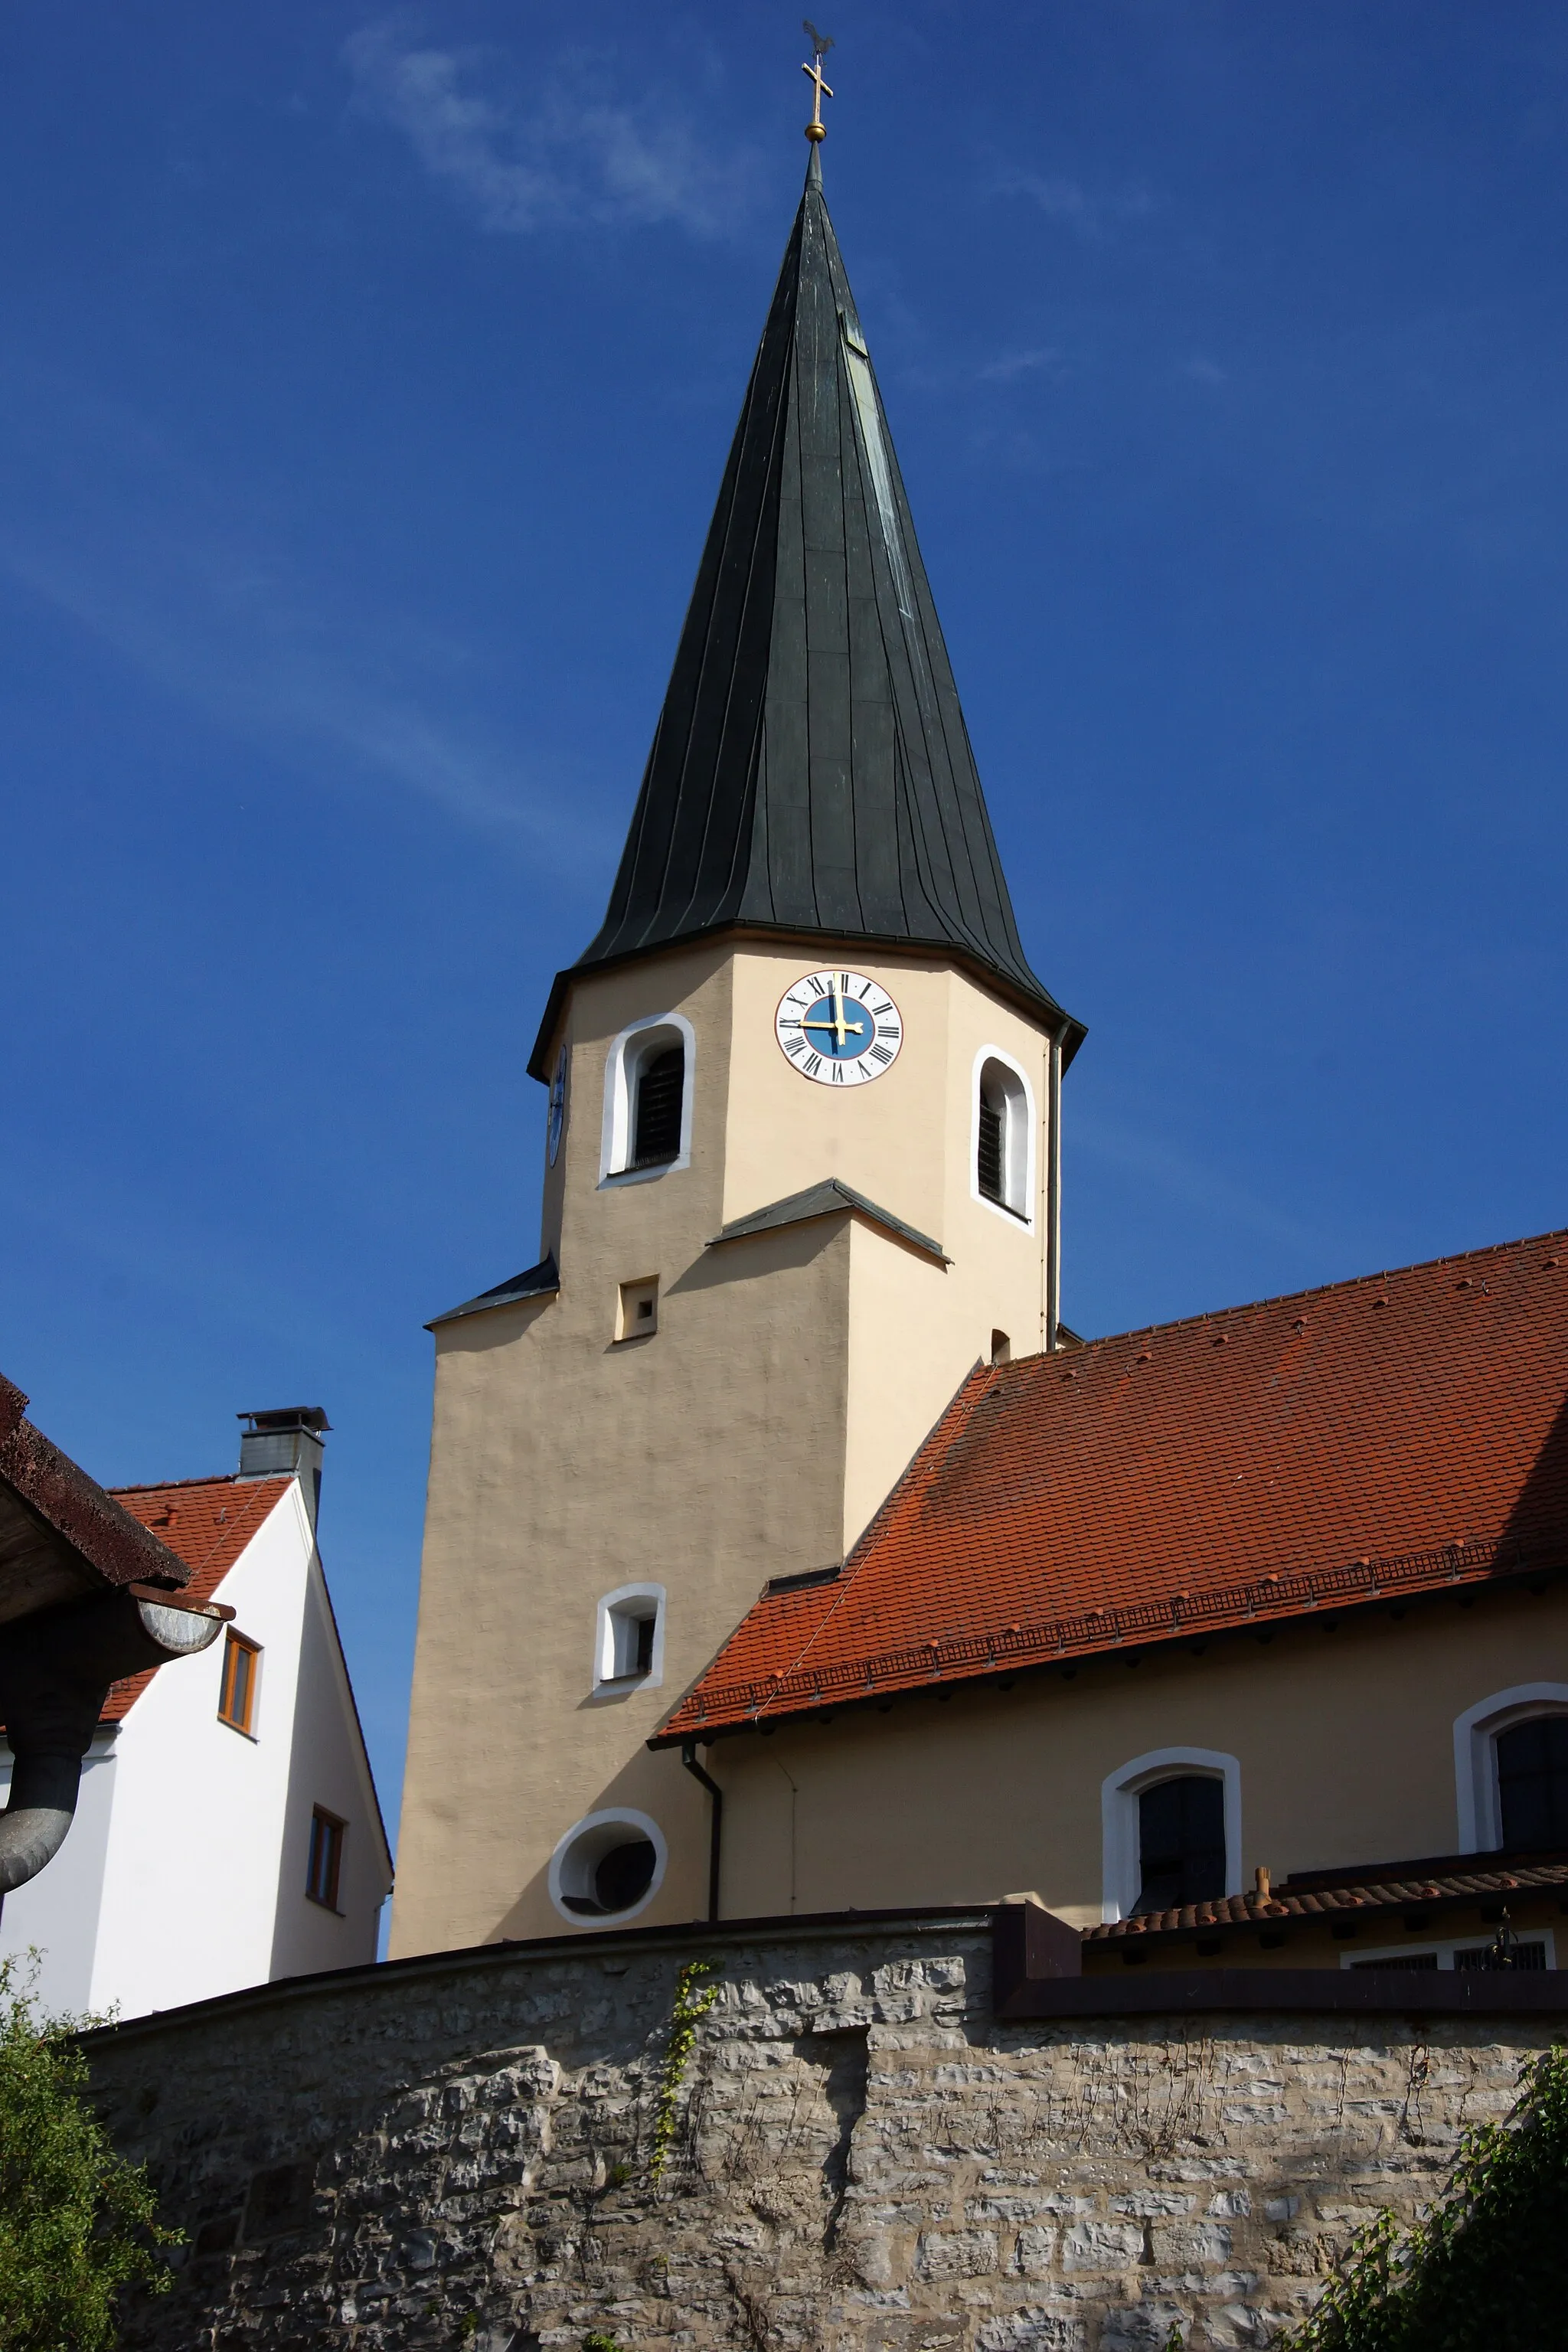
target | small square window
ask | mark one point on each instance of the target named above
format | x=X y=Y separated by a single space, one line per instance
x=326 y=1861
x=241 y=1674
x=636 y=1312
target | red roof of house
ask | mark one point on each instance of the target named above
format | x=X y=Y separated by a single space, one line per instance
x=1402 y=1431
x=207 y=1522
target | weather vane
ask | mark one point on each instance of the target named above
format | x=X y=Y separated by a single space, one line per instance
x=820 y=45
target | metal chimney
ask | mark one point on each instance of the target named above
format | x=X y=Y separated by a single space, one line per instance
x=286 y=1441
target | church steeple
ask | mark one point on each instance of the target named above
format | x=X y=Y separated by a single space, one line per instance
x=810 y=773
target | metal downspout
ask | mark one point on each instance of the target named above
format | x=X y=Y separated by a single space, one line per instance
x=1054 y=1190
x=716 y=1821
x=56 y=1672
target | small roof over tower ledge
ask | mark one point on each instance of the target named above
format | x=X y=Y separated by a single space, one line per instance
x=811 y=774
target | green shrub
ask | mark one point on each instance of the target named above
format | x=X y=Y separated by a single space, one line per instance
x=77 y=2222
x=1485 y=2266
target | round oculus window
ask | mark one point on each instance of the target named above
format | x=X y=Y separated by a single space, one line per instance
x=608 y=1867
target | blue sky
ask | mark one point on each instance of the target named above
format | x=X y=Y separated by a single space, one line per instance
x=366 y=382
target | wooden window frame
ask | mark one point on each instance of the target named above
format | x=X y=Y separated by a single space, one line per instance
x=336 y=1835
x=244 y=1723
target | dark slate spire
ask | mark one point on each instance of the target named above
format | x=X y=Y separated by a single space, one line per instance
x=810 y=773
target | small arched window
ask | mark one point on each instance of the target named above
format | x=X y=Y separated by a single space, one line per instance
x=1003 y=1136
x=1172 y=1821
x=1181 y=1841
x=1532 y=1783
x=629 y=1641
x=647 y=1100
x=1510 y=1769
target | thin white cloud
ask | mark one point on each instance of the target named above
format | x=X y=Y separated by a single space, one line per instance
x=1165 y=1168
x=194 y=591
x=562 y=152
x=1199 y=370
x=1011 y=365
x=1094 y=217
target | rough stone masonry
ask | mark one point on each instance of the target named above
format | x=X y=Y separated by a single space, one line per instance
x=457 y=2151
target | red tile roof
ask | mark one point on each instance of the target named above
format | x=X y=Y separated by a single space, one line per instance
x=1399 y=1432
x=1480 y=1875
x=207 y=1522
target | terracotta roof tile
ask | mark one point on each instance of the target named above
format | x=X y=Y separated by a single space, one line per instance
x=1399 y=1432
x=207 y=1522
x=1486 y=1876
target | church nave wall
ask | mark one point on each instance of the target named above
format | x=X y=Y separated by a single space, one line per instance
x=1344 y=1741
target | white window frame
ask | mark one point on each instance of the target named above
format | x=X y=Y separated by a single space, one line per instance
x=1446 y=1950
x=1478 y=1804
x=1119 y=1795
x=627 y=1053
x=1018 y=1141
x=616 y=1817
x=606 y=1682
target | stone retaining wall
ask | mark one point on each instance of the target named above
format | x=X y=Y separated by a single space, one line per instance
x=457 y=2152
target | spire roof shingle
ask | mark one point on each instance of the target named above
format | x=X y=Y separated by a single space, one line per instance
x=810 y=773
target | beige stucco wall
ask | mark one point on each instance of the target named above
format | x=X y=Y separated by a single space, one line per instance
x=1344 y=1739
x=790 y=1378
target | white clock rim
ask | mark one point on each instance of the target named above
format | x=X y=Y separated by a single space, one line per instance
x=864 y=1075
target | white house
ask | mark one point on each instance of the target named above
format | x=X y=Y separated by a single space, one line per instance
x=228 y=1830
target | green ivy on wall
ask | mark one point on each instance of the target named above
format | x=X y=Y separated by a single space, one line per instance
x=691 y=2005
x=1484 y=2267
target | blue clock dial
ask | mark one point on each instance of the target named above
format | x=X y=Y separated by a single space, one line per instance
x=838 y=1028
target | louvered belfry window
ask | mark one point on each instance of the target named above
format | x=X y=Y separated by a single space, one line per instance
x=661 y=1084
x=988 y=1161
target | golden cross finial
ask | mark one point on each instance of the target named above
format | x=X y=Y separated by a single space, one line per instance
x=820 y=45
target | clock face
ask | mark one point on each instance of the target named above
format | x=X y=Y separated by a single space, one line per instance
x=838 y=1028
x=555 y=1118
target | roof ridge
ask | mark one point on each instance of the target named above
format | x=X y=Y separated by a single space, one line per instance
x=160 y=1485
x=217 y=1477
x=1292 y=1298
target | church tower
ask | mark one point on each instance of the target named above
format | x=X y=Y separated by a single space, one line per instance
x=803 y=1145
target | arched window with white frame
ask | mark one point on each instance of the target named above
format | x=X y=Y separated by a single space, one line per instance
x=1171 y=1822
x=647 y=1100
x=1001 y=1142
x=1510 y=1770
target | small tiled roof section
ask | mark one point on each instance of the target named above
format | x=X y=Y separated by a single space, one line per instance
x=207 y=1522
x=831 y=1198
x=1402 y=1433
x=1484 y=1877
x=541 y=1281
